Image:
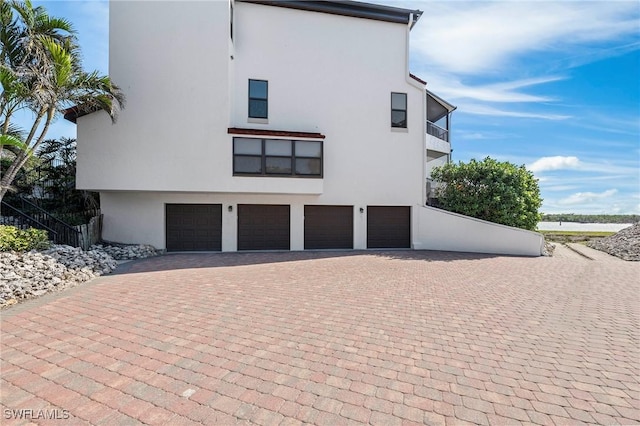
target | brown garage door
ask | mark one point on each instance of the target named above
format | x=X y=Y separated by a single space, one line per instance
x=388 y=227
x=263 y=227
x=193 y=227
x=328 y=227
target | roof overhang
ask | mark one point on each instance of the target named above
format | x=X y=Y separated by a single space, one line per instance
x=354 y=9
x=73 y=113
x=274 y=133
x=437 y=107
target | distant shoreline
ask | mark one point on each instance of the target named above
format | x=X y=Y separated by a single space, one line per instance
x=578 y=226
x=590 y=218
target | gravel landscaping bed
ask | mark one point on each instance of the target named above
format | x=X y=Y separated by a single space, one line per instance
x=625 y=244
x=34 y=273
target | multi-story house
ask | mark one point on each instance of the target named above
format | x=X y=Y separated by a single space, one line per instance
x=264 y=125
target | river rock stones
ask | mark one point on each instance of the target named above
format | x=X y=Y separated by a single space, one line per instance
x=34 y=273
x=625 y=244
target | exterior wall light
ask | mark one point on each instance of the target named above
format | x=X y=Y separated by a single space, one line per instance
x=230 y=208
x=361 y=210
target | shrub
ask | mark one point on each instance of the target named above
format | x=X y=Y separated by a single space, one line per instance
x=498 y=192
x=14 y=239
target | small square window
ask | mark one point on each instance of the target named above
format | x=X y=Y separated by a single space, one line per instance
x=258 y=99
x=399 y=110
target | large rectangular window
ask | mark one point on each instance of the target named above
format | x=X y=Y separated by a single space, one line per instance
x=258 y=98
x=277 y=157
x=399 y=110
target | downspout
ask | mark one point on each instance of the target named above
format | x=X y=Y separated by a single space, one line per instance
x=423 y=115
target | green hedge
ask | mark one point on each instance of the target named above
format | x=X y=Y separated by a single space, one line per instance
x=14 y=239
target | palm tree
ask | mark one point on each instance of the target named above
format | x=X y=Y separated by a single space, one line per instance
x=41 y=71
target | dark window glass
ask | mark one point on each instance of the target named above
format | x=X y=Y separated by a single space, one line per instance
x=398 y=118
x=247 y=146
x=308 y=149
x=308 y=166
x=258 y=98
x=278 y=147
x=278 y=165
x=246 y=164
x=257 y=108
x=399 y=110
x=277 y=157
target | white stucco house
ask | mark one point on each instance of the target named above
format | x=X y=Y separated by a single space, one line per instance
x=264 y=125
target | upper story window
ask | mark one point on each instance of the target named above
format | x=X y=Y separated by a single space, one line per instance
x=277 y=157
x=258 y=98
x=399 y=110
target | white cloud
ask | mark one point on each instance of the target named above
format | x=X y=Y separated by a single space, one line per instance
x=458 y=43
x=587 y=197
x=554 y=163
x=453 y=89
x=479 y=109
x=562 y=188
x=474 y=37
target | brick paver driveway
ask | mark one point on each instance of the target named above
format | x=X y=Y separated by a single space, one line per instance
x=332 y=338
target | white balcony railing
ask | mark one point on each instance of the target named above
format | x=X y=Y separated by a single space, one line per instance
x=437 y=131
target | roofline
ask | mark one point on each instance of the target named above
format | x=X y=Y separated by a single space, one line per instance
x=418 y=79
x=442 y=102
x=73 y=113
x=274 y=133
x=354 y=9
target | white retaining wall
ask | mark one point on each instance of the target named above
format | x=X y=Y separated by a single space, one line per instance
x=442 y=230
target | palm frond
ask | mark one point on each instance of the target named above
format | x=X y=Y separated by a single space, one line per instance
x=14 y=131
x=61 y=60
x=10 y=140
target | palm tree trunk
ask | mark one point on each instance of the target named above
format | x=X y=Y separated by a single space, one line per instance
x=24 y=155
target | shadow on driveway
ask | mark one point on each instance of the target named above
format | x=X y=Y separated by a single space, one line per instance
x=191 y=260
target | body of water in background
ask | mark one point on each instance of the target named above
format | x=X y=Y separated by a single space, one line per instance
x=576 y=226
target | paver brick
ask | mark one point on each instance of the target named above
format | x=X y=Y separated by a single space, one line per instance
x=357 y=413
x=511 y=412
x=382 y=419
x=469 y=415
x=434 y=348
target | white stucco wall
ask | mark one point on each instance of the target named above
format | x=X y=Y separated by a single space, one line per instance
x=437 y=144
x=442 y=230
x=171 y=60
x=328 y=74
x=334 y=75
x=139 y=217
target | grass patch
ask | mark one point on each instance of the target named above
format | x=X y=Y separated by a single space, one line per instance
x=574 y=236
x=598 y=234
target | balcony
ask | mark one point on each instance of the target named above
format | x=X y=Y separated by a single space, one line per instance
x=438 y=116
x=438 y=143
x=437 y=131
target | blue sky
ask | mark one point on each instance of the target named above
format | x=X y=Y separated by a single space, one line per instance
x=554 y=85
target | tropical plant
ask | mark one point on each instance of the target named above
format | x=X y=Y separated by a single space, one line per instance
x=14 y=239
x=499 y=192
x=41 y=71
x=58 y=170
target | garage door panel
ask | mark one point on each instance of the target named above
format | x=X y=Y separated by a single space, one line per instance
x=388 y=227
x=263 y=227
x=193 y=227
x=328 y=227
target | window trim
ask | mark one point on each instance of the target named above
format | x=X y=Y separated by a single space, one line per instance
x=293 y=158
x=405 y=110
x=252 y=98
